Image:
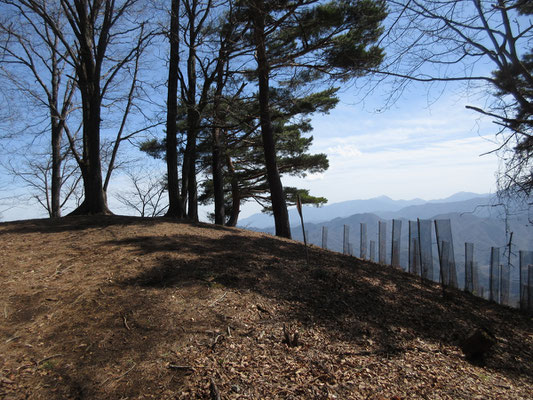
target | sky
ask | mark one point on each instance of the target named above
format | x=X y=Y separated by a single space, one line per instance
x=411 y=150
x=426 y=145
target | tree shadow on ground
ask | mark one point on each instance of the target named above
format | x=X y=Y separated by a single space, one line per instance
x=138 y=306
x=350 y=298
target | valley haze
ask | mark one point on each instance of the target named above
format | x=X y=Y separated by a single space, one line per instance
x=384 y=207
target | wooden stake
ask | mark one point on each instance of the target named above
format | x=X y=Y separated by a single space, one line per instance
x=299 y=207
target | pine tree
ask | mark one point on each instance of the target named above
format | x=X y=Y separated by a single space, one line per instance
x=245 y=172
x=308 y=40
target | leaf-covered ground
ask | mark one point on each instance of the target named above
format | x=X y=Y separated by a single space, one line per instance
x=128 y=308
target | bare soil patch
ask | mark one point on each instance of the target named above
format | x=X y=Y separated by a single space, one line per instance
x=116 y=307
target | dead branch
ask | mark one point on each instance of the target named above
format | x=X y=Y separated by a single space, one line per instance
x=218 y=299
x=218 y=339
x=118 y=378
x=125 y=323
x=12 y=338
x=47 y=358
x=181 y=367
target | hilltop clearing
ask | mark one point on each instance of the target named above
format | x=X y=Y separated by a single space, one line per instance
x=128 y=308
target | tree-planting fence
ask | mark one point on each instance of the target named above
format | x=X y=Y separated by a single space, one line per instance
x=445 y=268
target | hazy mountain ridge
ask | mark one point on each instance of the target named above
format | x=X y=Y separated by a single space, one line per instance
x=383 y=206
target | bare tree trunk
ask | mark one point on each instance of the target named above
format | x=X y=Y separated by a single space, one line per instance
x=279 y=205
x=189 y=189
x=188 y=172
x=218 y=177
x=89 y=62
x=217 y=151
x=56 y=137
x=55 y=140
x=56 y=169
x=235 y=195
x=95 y=201
x=175 y=208
x=192 y=212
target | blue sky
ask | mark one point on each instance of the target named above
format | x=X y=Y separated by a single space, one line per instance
x=410 y=150
x=426 y=145
x=414 y=149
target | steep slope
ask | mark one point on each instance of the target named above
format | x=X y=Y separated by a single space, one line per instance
x=120 y=307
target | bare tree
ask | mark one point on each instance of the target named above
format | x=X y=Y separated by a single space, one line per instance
x=36 y=174
x=147 y=193
x=486 y=44
x=31 y=47
x=92 y=29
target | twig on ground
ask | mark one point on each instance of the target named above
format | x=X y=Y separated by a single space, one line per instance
x=217 y=340
x=263 y=309
x=218 y=299
x=58 y=271
x=125 y=323
x=48 y=358
x=79 y=297
x=118 y=378
x=12 y=338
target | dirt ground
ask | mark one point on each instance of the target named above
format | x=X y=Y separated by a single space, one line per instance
x=128 y=308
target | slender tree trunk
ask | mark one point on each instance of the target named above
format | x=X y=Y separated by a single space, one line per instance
x=175 y=208
x=235 y=196
x=56 y=131
x=235 y=210
x=189 y=189
x=218 y=177
x=131 y=95
x=188 y=173
x=193 y=188
x=279 y=205
x=56 y=169
x=217 y=151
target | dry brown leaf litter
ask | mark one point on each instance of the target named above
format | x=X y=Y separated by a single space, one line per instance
x=119 y=307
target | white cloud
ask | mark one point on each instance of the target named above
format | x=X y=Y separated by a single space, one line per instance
x=411 y=153
x=347 y=151
x=315 y=177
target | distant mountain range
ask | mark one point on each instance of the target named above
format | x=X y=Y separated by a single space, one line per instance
x=385 y=207
x=475 y=218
